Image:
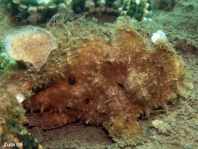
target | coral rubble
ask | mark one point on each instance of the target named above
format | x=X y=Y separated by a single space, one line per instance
x=106 y=80
x=13 y=134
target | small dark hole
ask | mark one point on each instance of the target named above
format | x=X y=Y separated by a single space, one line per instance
x=87 y=101
x=27 y=111
x=27 y=125
x=142 y=117
x=120 y=85
x=37 y=111
x=158 y=108
x=39 y=89
x=72 y=80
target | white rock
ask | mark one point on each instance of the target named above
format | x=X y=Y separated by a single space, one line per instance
x=20 y=98
x=159 y=37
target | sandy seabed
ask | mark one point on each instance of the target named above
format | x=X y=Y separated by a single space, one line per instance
x=179 y=127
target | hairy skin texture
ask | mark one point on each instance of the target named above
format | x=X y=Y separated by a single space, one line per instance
x=111 y=84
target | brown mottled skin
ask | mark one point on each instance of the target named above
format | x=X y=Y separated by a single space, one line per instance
x=111 y=84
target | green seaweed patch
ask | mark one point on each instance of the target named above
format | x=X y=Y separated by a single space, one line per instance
x=28 y=141
x=7 y=63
